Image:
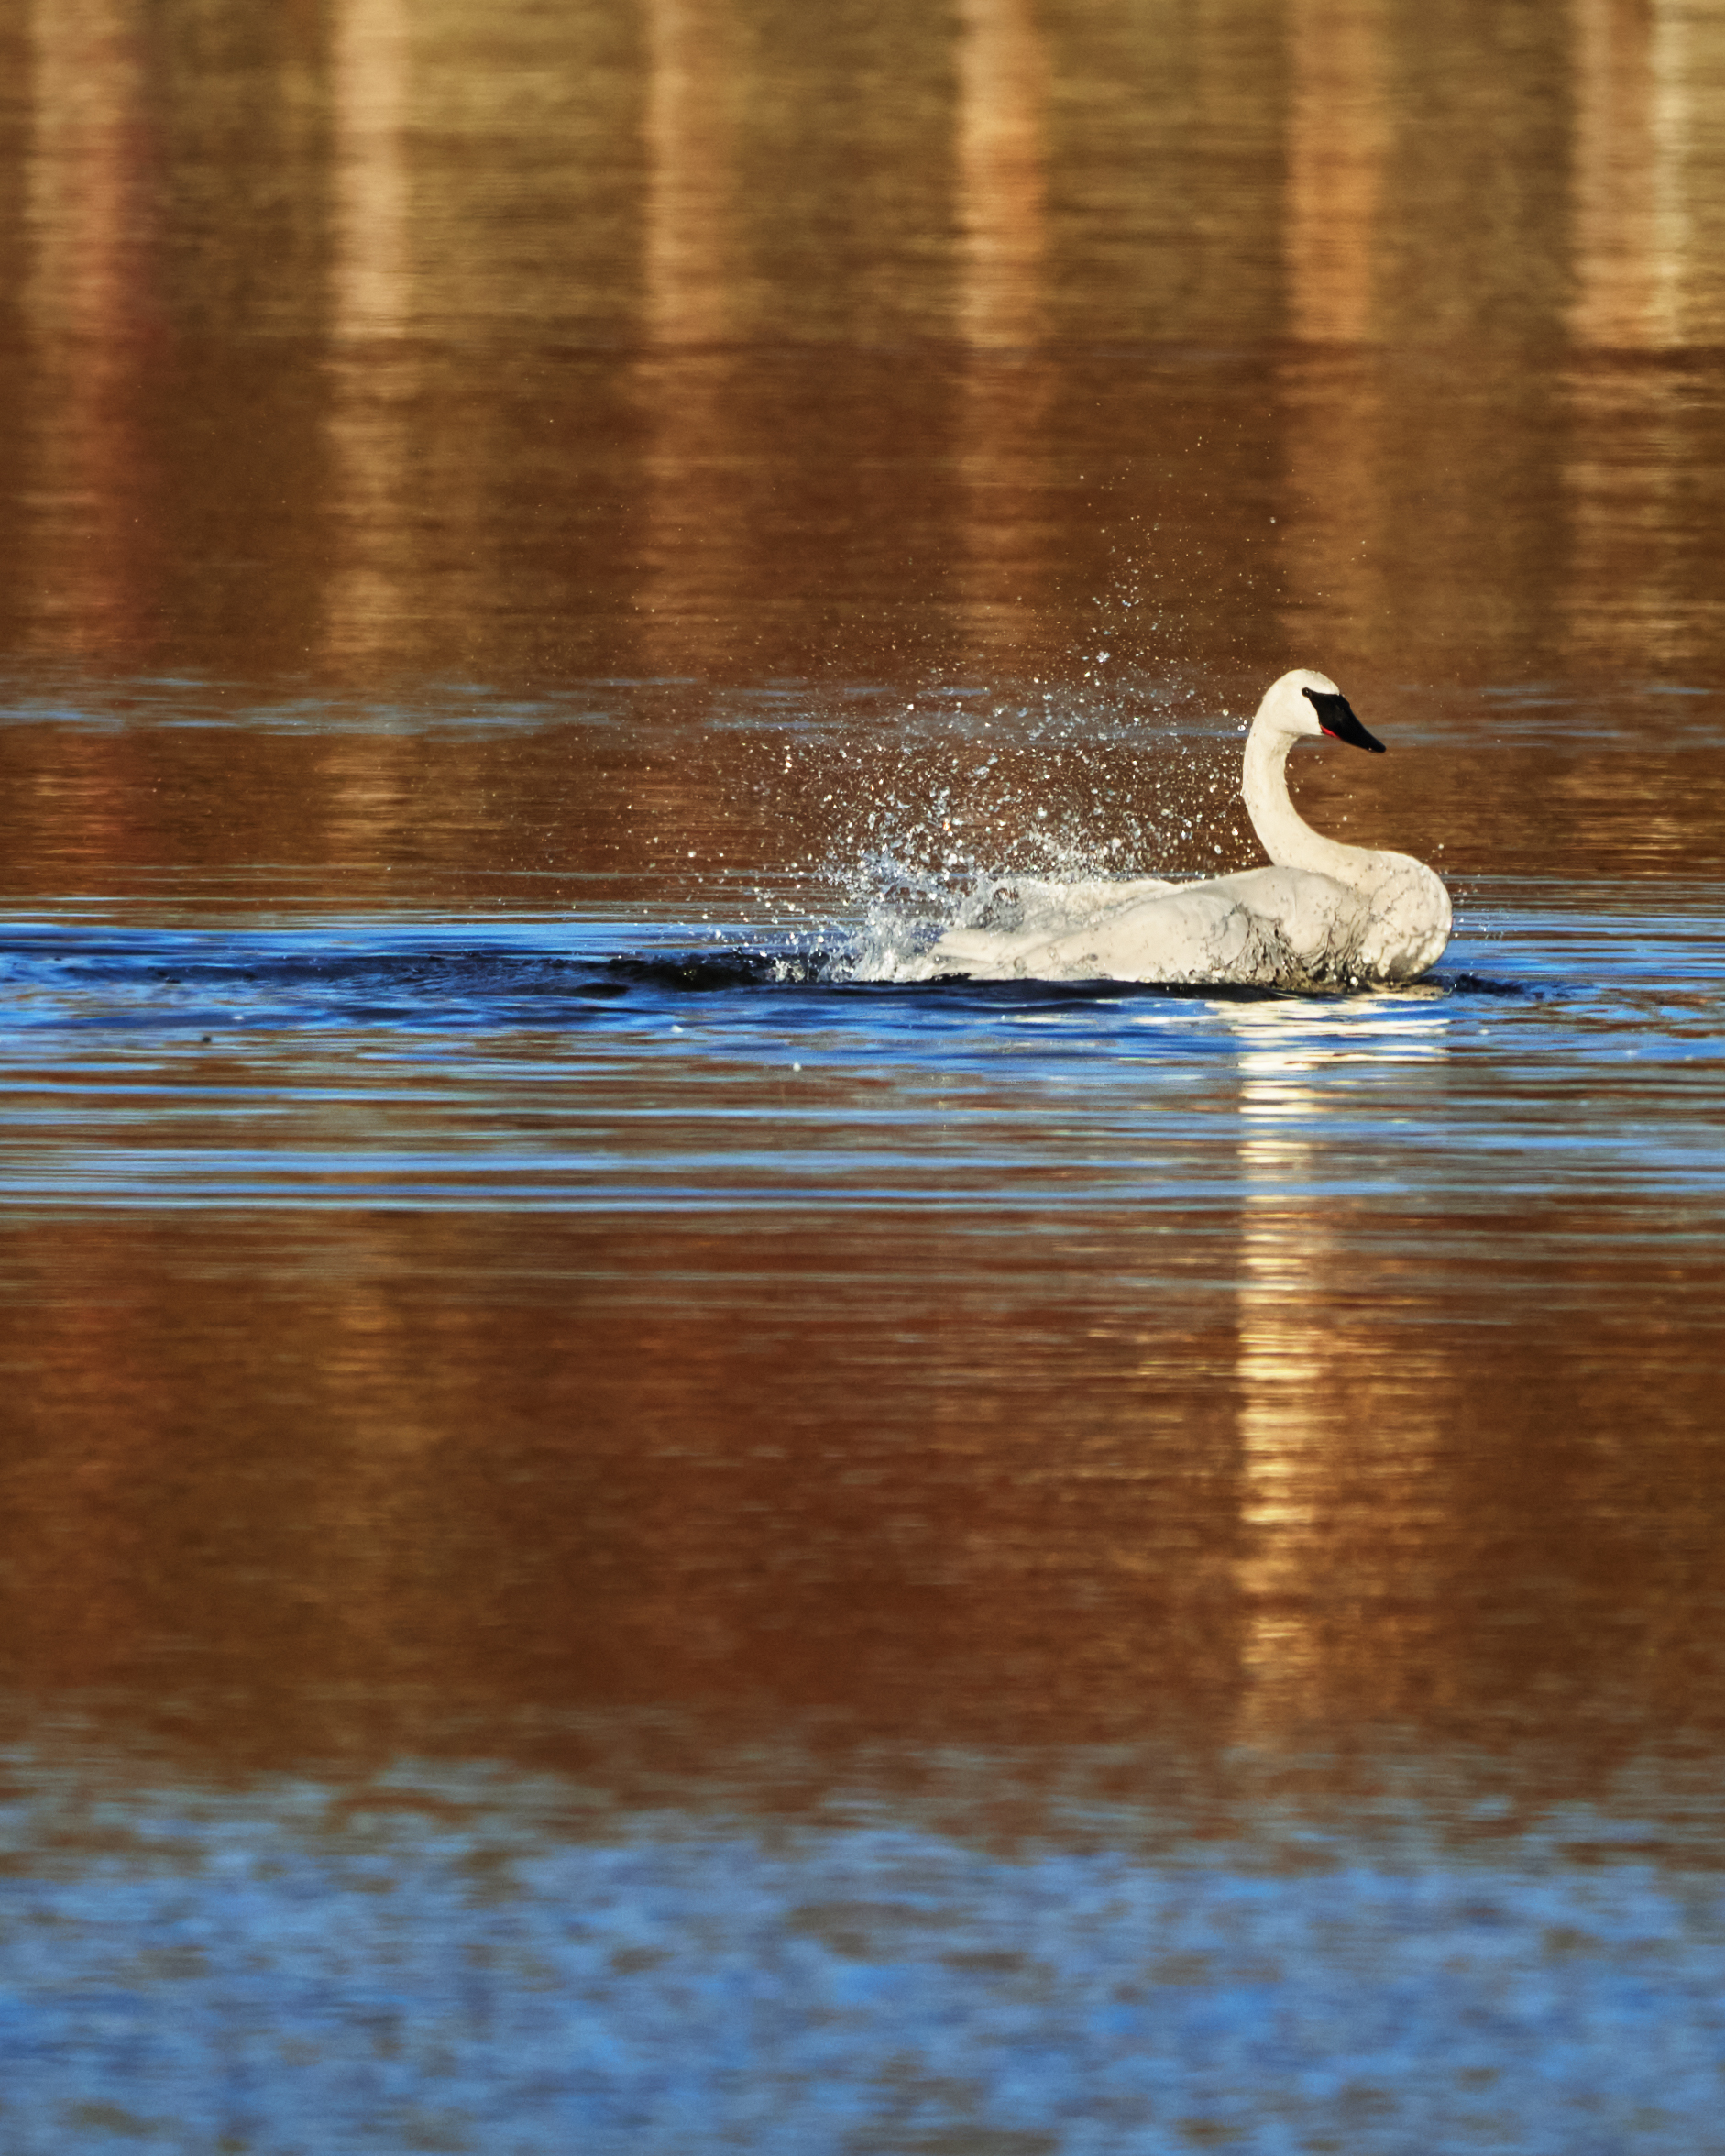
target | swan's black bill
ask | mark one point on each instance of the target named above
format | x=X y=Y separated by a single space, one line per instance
x=1340 y=723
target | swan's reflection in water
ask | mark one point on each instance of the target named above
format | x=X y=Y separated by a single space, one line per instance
x=1336 y=1409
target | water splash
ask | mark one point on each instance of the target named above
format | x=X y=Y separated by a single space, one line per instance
x=965 y=803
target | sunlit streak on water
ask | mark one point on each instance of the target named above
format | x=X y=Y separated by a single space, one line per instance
x=1306 y=1351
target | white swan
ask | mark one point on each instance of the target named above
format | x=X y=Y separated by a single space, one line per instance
x=1324 y=915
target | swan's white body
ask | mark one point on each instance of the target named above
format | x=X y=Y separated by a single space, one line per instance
x=1325 y=914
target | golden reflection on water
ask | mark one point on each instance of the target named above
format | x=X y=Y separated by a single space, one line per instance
x=370 y=276
x=1285 y=1403
x=1002 y=172
x=694 y=489
x=1636 y=95
x=689 y=268
x=1338 y=1406
x=372 y=383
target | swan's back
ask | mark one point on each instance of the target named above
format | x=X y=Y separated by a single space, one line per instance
x=1282 y=928
x=1177 y=933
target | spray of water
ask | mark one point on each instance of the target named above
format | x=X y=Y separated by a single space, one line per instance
x=964 y=804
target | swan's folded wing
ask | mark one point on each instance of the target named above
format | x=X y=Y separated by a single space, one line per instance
x=1029 y=916
x=1125 y=893
x=1177 y=934
x=1188 y=933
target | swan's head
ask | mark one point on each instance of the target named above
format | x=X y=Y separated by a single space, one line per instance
x=1305 y=702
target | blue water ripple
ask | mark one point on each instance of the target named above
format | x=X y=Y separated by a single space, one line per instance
x=842 y=1988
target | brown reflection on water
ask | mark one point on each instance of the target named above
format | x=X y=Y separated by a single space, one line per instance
x=353 y=351
x=1166 y=167
x=458 y=1482
x=91 y=295
x=1338 y=140
x=176 y=818
x=380 y=343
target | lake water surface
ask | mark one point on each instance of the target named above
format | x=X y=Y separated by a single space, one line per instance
x=617 y=1538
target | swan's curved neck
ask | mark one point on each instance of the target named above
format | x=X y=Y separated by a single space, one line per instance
x=1287 y=838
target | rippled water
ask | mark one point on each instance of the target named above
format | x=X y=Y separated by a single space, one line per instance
x=1156 y=1492
x=615 y=1538
x=869 y=1985
x=1568 y=1046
